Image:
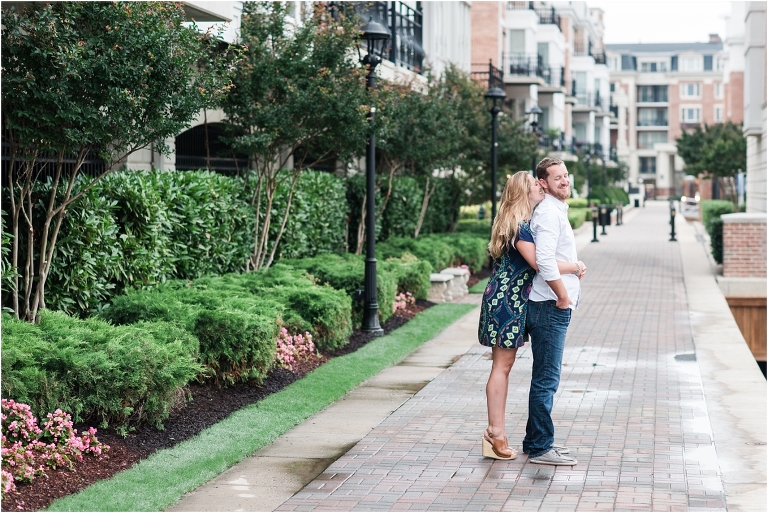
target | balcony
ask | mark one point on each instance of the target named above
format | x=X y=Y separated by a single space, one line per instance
x=523 y=66
x=405 y=25
x=546 y=16
x=590 y=100
x=487 y=73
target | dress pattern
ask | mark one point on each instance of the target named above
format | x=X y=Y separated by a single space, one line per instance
x=505 y=301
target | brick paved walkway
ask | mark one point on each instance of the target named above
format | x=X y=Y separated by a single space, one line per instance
x=630 y=407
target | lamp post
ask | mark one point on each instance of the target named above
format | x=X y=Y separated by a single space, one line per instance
x=375 y=36
x=534 y=114
x=589 y=175
x=495 y=98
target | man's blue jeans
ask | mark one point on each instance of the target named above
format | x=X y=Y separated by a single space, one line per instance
x=547 y=325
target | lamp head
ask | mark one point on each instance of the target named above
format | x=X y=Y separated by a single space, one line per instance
x=533 y=115
x=376 y=37
x=495 y=98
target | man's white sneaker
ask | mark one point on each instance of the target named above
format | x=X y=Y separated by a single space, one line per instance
x=554 y=458
x=561 y=449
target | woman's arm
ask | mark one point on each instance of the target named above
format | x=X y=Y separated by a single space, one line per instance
x=528 y=250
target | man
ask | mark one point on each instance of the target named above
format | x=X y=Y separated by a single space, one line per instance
x=550 y=303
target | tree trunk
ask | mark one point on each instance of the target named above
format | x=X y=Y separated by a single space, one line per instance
x=361 y=229
x=424 y=204
x=285 y=219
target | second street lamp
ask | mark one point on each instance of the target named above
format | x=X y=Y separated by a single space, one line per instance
x=495 y=98
x=376 y=37
x=534 y=113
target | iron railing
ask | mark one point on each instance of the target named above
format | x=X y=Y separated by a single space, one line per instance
x=405 y=25
x=520 y=6
x=549 y=17
x=488 y=73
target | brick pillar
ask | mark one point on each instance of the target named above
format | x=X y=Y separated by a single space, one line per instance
x=744 y=245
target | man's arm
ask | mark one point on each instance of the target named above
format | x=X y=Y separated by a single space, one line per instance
x=546 y=229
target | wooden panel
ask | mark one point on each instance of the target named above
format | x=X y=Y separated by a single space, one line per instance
x=750 y=315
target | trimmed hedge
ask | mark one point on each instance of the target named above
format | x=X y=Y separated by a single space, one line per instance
x=117 y=376
x=608 y=195
x=711 y=210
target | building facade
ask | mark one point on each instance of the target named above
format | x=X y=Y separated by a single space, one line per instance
x=549 y=56
x=661 y=90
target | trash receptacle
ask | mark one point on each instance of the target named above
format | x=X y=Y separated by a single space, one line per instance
x=637 y=203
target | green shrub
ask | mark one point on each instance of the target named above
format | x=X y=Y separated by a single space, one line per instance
x=608 y=195
x=412 y=274
x=443 y=209
x=88 y=253
x=116 y=376
x=713 y=209
x=402 y=211
x=317 y=218
x=198 y=309
x=716 y=238
x=480 y=227
x=356 y=188
x=577 y=216
x=347 y=272
x=472 y=212
x=441 y=250
x=577 y=202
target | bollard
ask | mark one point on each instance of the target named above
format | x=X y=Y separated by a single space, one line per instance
x=618 y=213
x=672 y=221
x=603 y=214
x=594 y=224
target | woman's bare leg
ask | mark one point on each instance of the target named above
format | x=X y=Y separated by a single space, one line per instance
x=496 y=390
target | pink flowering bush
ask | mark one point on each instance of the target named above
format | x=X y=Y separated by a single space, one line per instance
x=293 y=348
x=27 y=449
x=402 y=301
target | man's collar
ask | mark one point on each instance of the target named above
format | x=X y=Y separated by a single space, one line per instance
x=562 y=205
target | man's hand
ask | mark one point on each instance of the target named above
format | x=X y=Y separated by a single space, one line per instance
x=583 y=269
x=564 y=302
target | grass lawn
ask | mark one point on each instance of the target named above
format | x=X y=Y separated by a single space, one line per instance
x=479 y=287
x=160 y=480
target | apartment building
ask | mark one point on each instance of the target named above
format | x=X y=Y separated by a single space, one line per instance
x=549 y=55
x=659 y=90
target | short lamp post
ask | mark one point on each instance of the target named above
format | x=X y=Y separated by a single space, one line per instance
x=588 y=164
x=376 y=37
x=533 y=116
x=495 y=99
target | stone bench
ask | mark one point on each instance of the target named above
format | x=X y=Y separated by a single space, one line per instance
x=441 y=288
x=460 y=279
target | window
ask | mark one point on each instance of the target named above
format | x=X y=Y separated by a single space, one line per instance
x=673 y=63
x=544 y=118
x=707 y=63
x=690 y=90
x=543 y=51
x=613 y=63
x=628 y=62
x=517 y=42
x=652 y=117
x=720 y=63
x=648 y=165
x=652 y=93
x=718 y=113
x=646 y=140
x=653 y=67
x=719 y=90
x=690 y=115
x=690 y=64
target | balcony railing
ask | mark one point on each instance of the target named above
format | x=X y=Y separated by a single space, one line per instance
x=520 y=6
x=523 y=65
x=489 y=74
x=580 y=48
x=590 y=99
x=549 y=17
x=553 y=77
x=405 y=26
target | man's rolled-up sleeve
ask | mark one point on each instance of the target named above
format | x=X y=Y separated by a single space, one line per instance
x=545 y=229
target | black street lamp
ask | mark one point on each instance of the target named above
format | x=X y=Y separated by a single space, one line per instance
x=376 y=37
x=588 y=163
x=495 y=98
x=534 y=114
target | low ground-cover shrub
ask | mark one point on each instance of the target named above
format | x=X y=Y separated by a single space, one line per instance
x=235 y=335
x=577 y=202
x=412 y=274
x=27 y=448
x=116 y=376
x=577 y=216
x=440 y=249
x=601 y=194
x=347 y=273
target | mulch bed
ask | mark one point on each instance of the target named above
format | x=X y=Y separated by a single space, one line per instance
x=210 y=405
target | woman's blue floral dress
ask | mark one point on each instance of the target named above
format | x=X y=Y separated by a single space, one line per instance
x=505 y=301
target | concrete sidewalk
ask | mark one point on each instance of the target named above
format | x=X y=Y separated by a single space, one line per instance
x=660 y=401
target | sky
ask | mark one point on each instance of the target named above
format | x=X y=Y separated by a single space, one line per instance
x=675 y=21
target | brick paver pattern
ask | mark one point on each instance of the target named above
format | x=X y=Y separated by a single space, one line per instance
x=630 y=407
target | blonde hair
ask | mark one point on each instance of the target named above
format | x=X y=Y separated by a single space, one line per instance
x=513 y=208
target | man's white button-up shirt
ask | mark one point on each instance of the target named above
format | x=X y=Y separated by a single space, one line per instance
x=554 y=241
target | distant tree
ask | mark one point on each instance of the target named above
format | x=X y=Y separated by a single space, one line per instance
x=516 y=146
x=107 y=78
x=299 y=87
x=716 y=151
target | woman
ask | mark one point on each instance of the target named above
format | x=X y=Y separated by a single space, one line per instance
x=502 y=315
